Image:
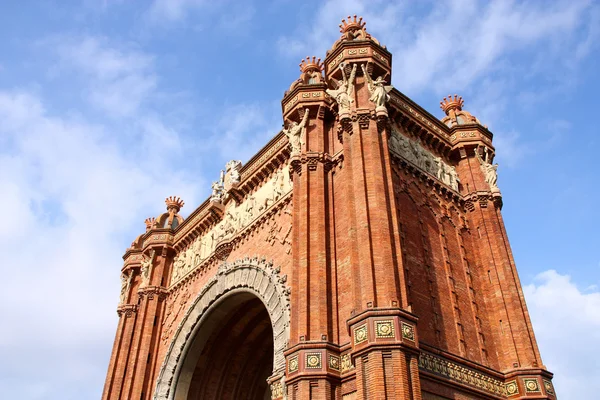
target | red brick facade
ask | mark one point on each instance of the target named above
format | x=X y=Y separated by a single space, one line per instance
x=361 y=254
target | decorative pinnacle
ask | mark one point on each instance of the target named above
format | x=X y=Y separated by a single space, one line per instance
x=352 y=25
x=311 y=65
x=174 y=202
x=150 y=223
x=450 y=103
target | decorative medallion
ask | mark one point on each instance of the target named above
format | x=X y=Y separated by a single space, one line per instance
x=384 y=329
x=346 y=363
x=549 y=387
x=408 y=331
x=531 y=385
x=334 y=362
x=313 y=360
x=360 y=334
x=512 y=388
x=293 y=364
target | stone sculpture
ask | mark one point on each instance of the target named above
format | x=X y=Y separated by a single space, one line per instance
x=416 y=154
x=146 y=267
x=217 y=192
x=343 y=93
x=378 y=90
x=232 y=172
x=489 y=171
x=295 y=134
x=125 y=283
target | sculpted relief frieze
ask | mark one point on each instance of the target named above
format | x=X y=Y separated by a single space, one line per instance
x=236 y=218
x=413 y=152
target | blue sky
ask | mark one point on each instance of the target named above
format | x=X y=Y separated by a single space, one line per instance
x=106 y=108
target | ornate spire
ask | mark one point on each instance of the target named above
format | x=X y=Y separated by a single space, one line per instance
x=173 y=202
x=455 y=115
x=352 y=25
x=450 y=103
x=150 y=223
x=308 y=65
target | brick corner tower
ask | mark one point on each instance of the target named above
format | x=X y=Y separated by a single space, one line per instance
x=361 y=254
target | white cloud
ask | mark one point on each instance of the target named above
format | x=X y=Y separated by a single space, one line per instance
x=452 y=45
x=73 y=191
x=118 y=79
x=566 y=322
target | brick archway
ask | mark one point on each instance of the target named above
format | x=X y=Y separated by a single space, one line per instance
x=252 y=275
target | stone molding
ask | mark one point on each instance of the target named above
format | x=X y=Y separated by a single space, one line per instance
x=251 y=274
x=462 y=375
x=151 y=291
x=126 y=309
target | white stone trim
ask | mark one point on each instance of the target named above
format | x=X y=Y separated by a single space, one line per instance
x=249 y=274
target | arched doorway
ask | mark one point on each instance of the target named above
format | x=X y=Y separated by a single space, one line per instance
x=232 y=337
x=231 y=355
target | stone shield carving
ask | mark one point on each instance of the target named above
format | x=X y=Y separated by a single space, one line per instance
x=250 y=274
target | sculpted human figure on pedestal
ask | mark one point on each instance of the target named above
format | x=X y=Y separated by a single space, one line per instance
x=217 y=192
x=378 y=90
x=343 y=93
x=125 y=283
x=146 y=267
x=232 y=171
x=295 y=134
x=490 y=171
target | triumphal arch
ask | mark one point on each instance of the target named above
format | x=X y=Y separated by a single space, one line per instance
x=361 y=254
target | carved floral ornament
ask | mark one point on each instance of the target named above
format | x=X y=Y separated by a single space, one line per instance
x=254 y=275
x=236 y=218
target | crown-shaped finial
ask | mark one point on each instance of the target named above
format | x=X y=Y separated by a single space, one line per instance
x=150 y=223
x=174 y=202
x=307 y=64
x=450 y=103
x=352 y=25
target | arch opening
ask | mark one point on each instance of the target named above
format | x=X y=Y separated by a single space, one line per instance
x=234 y=291
x=230 y=356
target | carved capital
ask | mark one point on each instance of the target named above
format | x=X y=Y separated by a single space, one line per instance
x=151 y=291
x=126 y=309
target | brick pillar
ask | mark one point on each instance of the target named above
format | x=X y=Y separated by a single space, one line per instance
x=508 y=318
x=309 y=367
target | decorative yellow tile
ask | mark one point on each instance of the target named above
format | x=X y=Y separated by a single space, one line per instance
x=313 y=360
x=360 y=334
x=549 y=387
x=531 y=385
x=293 y=364
x=384 y=329
x=334 y=362
x=512 y=388
x=408 y=331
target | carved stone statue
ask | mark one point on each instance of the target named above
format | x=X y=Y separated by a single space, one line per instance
x=490 y=171
x=343 y=93
x=278 y=185
x=179 y=267
x=453 y=180
x=295 y=134
x=146 y=267
x=378 y=90
x=232 y=172
x=217 y=192
x=125 y=283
